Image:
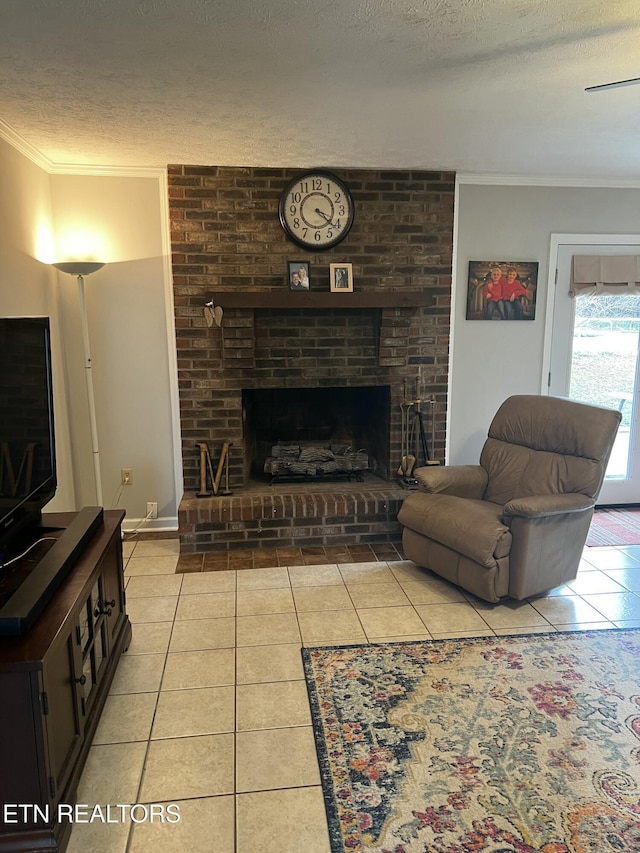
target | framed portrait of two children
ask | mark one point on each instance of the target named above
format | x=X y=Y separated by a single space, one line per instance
x=502 y=290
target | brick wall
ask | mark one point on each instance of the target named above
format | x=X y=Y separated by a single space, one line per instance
x=226 y=236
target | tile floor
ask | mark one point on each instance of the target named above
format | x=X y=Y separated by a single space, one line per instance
x=210 y=696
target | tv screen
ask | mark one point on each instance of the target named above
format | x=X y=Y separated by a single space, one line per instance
x=27 y=448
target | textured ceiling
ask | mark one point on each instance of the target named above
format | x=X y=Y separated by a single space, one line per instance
x=492 y=86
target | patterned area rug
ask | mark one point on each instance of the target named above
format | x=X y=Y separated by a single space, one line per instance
x=528 y=743
x=615 y=527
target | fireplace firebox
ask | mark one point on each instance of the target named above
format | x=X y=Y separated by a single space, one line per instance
x=336 y=418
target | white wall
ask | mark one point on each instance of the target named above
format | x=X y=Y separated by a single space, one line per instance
x=492 y=360
x=120 y=220
x=28 y=286
x=25 y=225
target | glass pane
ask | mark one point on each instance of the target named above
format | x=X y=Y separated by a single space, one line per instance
x=95 y=599
x=98 y=649
x=88 y=674
x=604 y=363
x=84 y=625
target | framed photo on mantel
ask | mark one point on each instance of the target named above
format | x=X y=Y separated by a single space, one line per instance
x=341 y=278
x=298 y=275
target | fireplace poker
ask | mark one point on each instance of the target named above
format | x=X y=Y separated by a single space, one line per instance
x=404 y=424
x=432 y=404
x=407 y=460
x=423 y=438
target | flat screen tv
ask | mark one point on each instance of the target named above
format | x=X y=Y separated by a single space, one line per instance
x=27 y=447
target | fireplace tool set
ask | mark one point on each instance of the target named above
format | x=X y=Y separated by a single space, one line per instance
x=415 y=450
x=207 y=467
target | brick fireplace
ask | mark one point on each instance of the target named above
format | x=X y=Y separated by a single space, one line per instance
x=356 y=355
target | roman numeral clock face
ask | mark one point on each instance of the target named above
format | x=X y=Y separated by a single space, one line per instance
x=316 y=210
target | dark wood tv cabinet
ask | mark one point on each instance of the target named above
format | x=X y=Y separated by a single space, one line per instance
x=53 y=685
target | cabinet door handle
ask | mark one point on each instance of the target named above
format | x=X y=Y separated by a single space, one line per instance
x=97 y=612
x=82 y=679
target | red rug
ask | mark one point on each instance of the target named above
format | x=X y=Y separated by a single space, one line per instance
x=615 y=527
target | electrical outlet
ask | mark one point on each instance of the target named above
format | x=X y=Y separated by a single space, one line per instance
x=152 y=509
x=126 y=476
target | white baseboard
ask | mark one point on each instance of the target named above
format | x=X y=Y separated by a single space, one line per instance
x=151 y=525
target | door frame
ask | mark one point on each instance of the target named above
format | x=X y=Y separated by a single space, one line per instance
x=556 y=241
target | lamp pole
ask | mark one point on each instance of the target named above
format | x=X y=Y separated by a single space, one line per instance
x=80 y=270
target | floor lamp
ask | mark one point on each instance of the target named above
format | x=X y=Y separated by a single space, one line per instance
x=81 y=269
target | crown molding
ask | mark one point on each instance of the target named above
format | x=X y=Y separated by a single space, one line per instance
x=484 y=179
x=39 y=159
x=26 y=148
x=107 y=171
x=546 y=181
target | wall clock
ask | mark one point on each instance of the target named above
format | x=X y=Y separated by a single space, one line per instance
x=316 y=210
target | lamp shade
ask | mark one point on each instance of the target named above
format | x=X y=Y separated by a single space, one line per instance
x=79 y=267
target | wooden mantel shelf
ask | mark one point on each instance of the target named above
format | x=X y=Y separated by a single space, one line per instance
x=323 y=299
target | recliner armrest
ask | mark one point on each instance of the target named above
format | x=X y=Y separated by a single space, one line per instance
x=538 y=506
x=462 y=481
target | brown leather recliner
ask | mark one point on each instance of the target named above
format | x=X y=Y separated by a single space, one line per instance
x=516 y=523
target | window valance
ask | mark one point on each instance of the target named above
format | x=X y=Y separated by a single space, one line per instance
x=606 y=274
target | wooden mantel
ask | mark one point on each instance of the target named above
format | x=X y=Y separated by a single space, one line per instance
x=323 y=299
